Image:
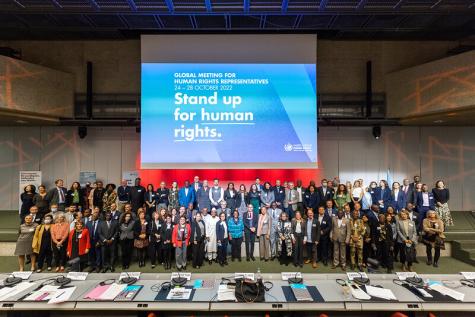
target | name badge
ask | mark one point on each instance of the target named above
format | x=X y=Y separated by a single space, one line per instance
x=343 y=224
x=314 y=225
x=379 y=229
x=139 y=190
x=80 y=236
x=431 y=197
x=324 y=222
x=411 y=225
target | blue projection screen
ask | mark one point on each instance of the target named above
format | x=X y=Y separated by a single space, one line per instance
x=228 y=115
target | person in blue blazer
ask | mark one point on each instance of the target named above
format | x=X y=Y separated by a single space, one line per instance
x=329 y=209
x=250 y=231
x=95 y=254
x=382 y=196
x=398 y=198
x=424 y=202
x=186 y=195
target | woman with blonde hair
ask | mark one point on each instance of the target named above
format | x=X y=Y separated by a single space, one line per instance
x=25 y=241
x=42 y=243
x=59 y=236
x=433 y=237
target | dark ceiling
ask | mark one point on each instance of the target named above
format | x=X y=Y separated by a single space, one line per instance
x=334 y=19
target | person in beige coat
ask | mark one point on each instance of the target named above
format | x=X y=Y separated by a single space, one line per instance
x=341 y=233
x=433 y=237
x=264 y=226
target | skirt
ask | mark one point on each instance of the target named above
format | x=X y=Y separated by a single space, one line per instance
x=444 y=215
x=23 y=247
x=140 y=243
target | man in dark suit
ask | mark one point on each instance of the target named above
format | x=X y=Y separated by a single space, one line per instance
x=123 y=194
x=115 y=213
x=162 y=196
x=95 y=255
x=408 y=191
x=324 y=192
x=250 y=230
x=279 y=195
x=312 y=238
x=137 y=195
x=424 y=202
x=329 y=209
x=108 y=231
x=398 y=198
x=325 y=229
x=57 y=195
x=35 y=217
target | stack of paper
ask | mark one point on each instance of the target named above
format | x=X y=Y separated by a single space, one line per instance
x=62 y=295
x=112 y=292
x=8 y=292
x=444 y=290
x=379 y=292
x=226 y=294
x=179 y=293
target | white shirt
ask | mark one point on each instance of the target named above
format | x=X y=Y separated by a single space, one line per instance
x=425 y=199
x=299 y=190
x=340 y=222
x=320 y=219
x=186 y=191
x=396 y=192
x=357 y=191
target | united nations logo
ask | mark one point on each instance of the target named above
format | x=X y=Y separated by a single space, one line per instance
x=288 y=147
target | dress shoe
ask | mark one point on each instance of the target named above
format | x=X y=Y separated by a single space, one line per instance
x=239 y=259
x=253 y=258
x=352 y=267
x=184 y=268
x=301 y=265
x=209 y=262
x=104 y=270
x=436 y=264
x=429 y=262
x=361 y=268
x=49 y=268
x=307 y=261
x=325 y=262
x=153 y=266
x=232 y=259
x=343 y=268
x=248 y=259
x=112 y=269
x=98 y=270
x=314 y=265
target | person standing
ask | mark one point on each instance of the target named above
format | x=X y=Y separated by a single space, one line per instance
x=311 y=199
x=41 y=202
x=382 y=195
x=108 y=233
x=263 y=233
x=137 y=195
x=279 y=194
x=98 y=196
x=154 y=247
x=250 y=231
x=25 y=242
x=267 y=195
x=181 y=239
x=407 y=239
x=173 y=196
x=78 y=246
x=211 y=239
x=57 y=195
x=150 y=201
x=255 y=199
x=29 y=192
x=434 y=237
x=216 y=194
x=441 y=198
x=357 y=192
x=162 y=196
x=242 y=200
x=408 y=191
x=167 y=246
x=358 y=230
x=141 y=238
x=284 y=239
x=222 y=236
x=300 y=193
x=312 y=238
x=75 y=196
x=95 y=252
x=291 y=200
x=236 y=228
x=325 y=192
x=341 y=234
x=425 y=202
x=274 y=213
x=230 y=196
x=323 y=246
x=59 y=235
x=42 y=243
x=198 y=237
x=186 y=195
x=383 y=240
x=398 y=198
x=109 y=198
x=123 y=195
x=202 y=196
x=126 y=239
x=367 y=239
x=298 y=237
x=342 y=197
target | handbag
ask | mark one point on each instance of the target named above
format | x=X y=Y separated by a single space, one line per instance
x=440 y=242
x=248 y=291
x=410 y=252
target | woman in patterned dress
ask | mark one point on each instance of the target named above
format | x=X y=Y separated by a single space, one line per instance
x=284 y=239
x=441 y=197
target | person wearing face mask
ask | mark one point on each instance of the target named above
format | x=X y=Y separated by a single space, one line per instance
x=341 y=233
x=180 y=239
x=59 y=235
x=42 y=243
x=325 y=193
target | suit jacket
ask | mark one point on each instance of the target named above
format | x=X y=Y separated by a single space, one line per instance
x=220 y=230
x=53 y=195
x=249 y=223
x=185 y=200
x=70 y=196
x=291 y=196
x=108 y=233
x=343 y=233
x=195 y=228
x=386 y=196
x=324 y=197
x=279 y=194
x=420 y=201
x=239 y=199
x=409 y=193
x=166 y=233
x=325 y=226
x=194 y=185
x=230 y=201
x=153 y=230
x=398 y=202
x=116 y=215
x=402 y=234
x=94 y=236
x=331 y=213
x=311 y=200
x=315 y=231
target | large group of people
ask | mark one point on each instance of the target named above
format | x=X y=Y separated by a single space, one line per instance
x=337 y=224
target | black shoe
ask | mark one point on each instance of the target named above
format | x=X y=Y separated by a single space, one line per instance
x=253 y=258
x=104 y=270
x=112 y=269
x=91 y=269
x=98 y=270
x=209 y=262
x=232 y=259
x=325 y=263
x=239 y=259
x=301 y=265
x=124 y=267
x=362 y=269
x=248 y=259
x=184 y=268
x=436 y=264
x=429 y=262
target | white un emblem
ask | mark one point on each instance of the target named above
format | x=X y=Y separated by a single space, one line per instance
x=288 y=147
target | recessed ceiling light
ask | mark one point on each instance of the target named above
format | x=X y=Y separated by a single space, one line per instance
x=21 y=121
x=438 y=121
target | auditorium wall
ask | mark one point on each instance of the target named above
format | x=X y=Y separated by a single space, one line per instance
x=341 y=64
x=447 y=153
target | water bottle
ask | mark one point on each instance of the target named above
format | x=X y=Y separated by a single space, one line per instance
x=258 y=274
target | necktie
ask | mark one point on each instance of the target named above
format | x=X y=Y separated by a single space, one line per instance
x=61 y=195
x=94 y=229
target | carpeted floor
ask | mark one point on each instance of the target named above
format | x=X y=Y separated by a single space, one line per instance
x=446 y=265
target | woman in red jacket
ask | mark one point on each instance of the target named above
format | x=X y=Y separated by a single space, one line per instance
x=78 y=246
x=180 y=239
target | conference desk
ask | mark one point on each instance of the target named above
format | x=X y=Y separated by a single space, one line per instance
x=204 y=300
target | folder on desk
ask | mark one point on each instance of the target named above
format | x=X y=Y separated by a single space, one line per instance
x=301 y=293
x=96 y=292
